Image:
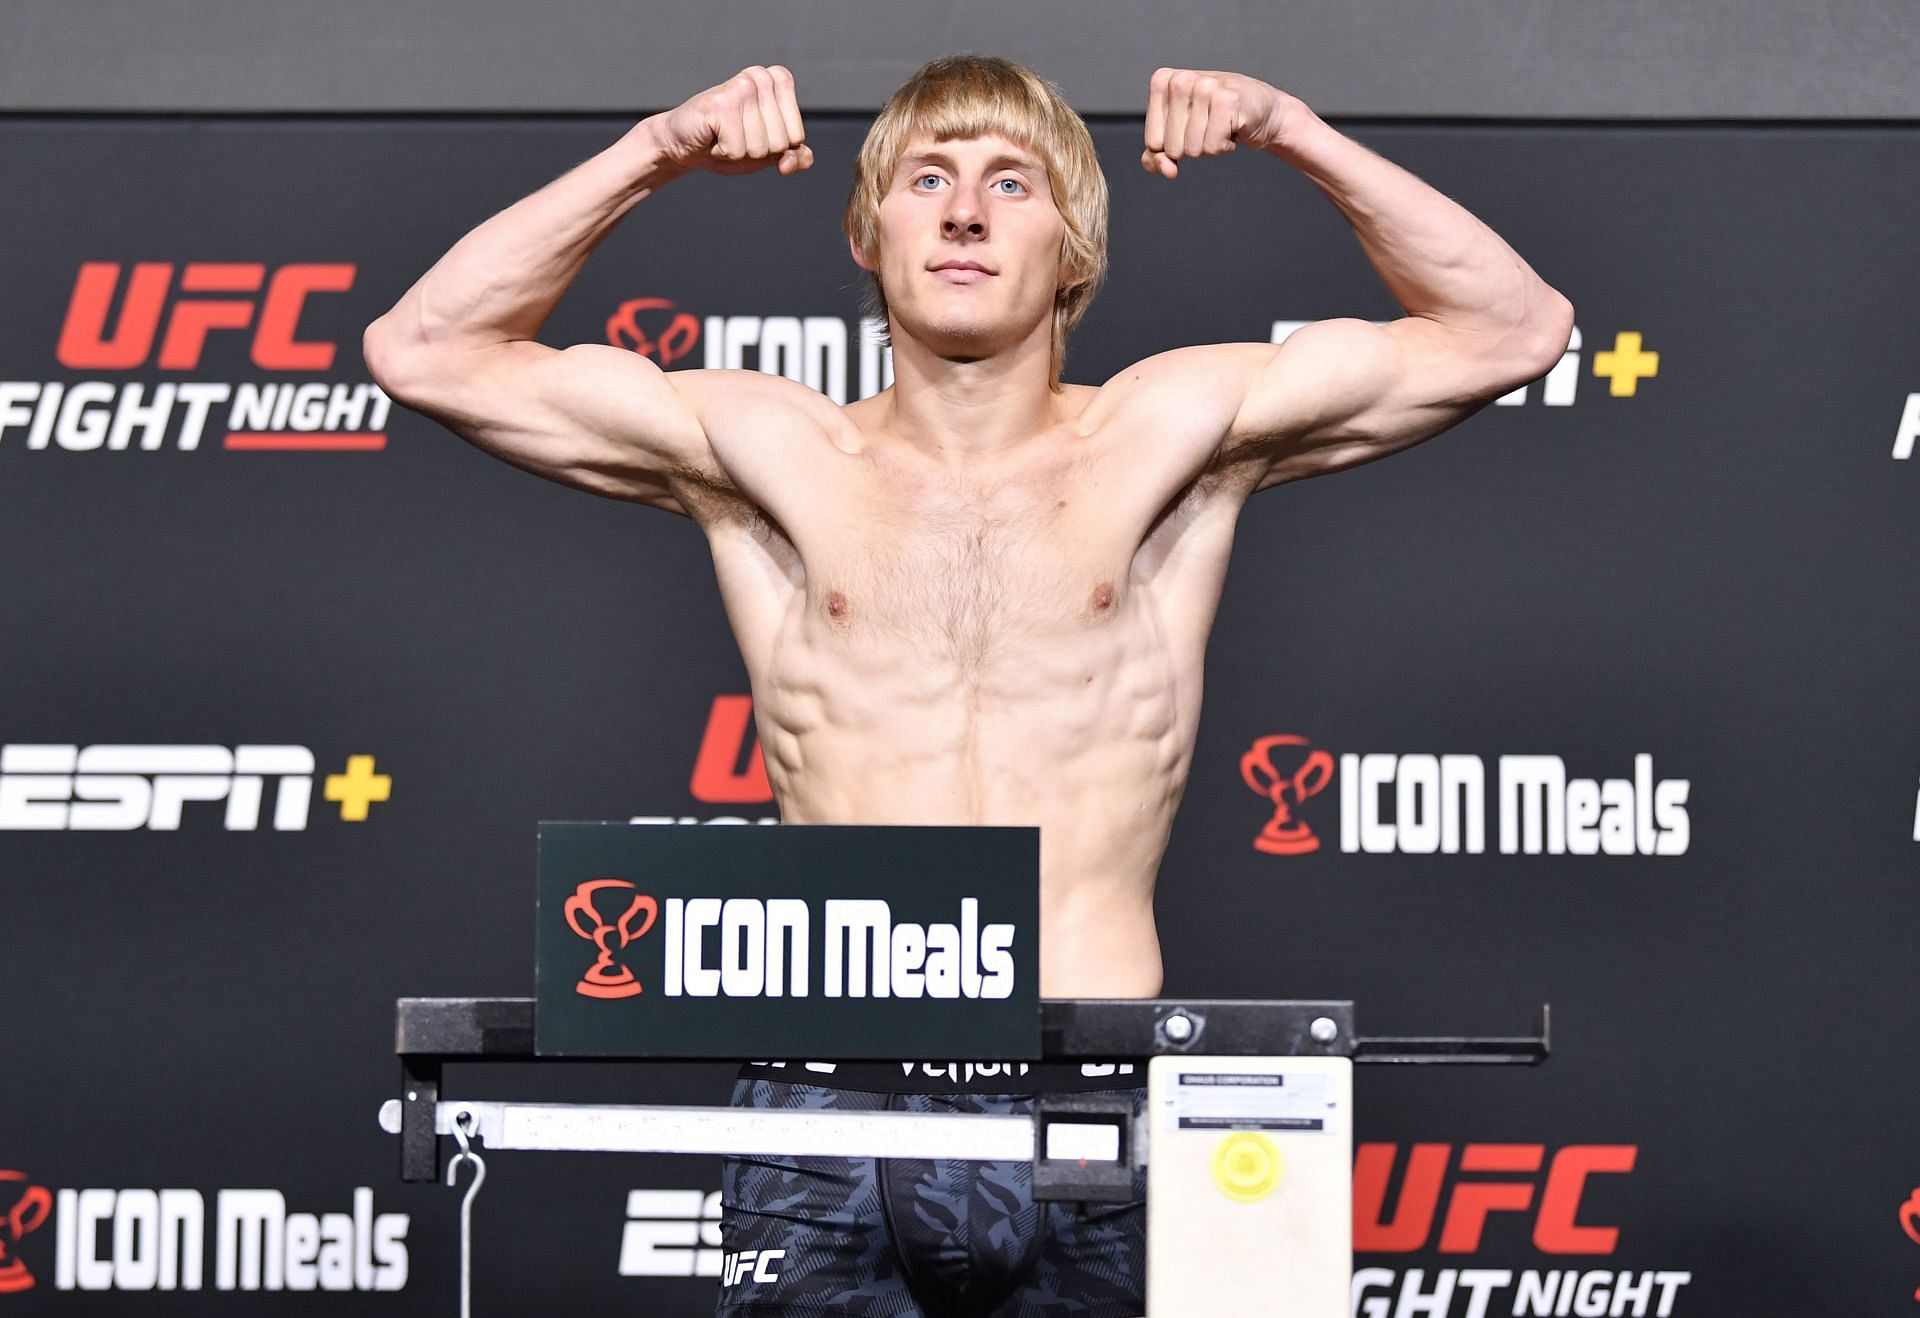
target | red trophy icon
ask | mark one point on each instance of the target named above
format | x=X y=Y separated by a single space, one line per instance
x=1910 y=1221
x=1284 y=835
x=674 y=340
x=607 y=978
x=28 y=1213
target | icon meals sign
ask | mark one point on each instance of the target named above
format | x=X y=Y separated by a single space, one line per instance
x=798 y=941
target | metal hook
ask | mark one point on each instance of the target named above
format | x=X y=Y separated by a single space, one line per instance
x=462 y=1122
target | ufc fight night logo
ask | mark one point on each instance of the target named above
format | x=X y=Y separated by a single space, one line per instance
x=165 y=326
x=728 y=769
x=1479 y=1207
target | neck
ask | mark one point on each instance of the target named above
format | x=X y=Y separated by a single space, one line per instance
x=956 y=410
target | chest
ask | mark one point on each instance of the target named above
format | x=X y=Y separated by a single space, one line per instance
x=966 y=565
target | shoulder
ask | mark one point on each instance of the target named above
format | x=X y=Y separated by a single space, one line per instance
x=771 y=440
x=1202 y=384
x=1161 y=423
x=730 y=400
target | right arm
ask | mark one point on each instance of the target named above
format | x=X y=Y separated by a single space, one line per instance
x=460 y=345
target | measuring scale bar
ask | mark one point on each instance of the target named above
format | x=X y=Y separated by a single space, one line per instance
x=642 y=1128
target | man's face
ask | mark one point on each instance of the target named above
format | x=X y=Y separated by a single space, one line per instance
x=983 y=202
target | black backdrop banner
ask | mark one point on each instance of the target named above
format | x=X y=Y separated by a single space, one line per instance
x=1604 y=698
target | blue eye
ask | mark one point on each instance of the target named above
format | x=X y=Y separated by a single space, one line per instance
x=923 y=178
x=1016 y=183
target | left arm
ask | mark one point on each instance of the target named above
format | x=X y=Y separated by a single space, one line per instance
x=1479 y=321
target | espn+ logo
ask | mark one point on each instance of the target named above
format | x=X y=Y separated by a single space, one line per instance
x=75 y=788
x=747 y=947
x=671 y=1233
x=1425 y=804
x=676 y=1233
x=70 y=788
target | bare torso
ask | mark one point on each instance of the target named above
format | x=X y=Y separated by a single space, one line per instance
x=1016 y=643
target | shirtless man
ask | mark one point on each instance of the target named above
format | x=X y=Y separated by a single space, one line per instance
x=981 y=596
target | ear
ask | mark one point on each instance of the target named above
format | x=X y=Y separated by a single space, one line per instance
x=858 y=259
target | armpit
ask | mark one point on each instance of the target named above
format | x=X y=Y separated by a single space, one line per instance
x=710 y=496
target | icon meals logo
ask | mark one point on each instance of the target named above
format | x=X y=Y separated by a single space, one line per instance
x=169 y=1239
x=1910 y=1221
x=28 y=1212
x=1284 y=835
x=1422 y=804
x=606 y=979
x=826 y=353
x=674 y=331
x=745 y=947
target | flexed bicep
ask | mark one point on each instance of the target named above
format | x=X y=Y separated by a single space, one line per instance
x=1342 y=392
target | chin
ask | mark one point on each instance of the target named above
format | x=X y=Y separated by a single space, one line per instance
x=957 y=333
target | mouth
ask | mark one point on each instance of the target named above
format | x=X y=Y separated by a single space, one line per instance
x=962 y=272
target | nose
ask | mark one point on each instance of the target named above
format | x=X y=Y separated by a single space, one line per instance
x=964 y=214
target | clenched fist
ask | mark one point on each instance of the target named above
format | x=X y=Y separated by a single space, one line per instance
x=746 y=123
x=1203 y=112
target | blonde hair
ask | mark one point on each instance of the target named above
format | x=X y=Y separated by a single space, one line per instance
x=964 y=96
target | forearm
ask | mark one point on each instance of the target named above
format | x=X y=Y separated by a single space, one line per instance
x=502 y=280
x=1436 y=258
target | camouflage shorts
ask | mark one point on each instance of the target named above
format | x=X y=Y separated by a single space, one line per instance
x=898 y=1236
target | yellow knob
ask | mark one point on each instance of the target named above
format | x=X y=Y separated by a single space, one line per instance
x=1246 y=1167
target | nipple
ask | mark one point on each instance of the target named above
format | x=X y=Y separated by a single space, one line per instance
x=1103 y=596
x=836 y=605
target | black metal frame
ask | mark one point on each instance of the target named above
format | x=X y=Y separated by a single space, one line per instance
x=430 y=1032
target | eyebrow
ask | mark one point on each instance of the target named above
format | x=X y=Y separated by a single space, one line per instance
x=920 y=158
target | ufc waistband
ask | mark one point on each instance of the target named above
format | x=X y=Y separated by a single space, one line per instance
x=955 y=1077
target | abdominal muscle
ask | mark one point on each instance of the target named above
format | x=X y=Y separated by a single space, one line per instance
x=1066 y=714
